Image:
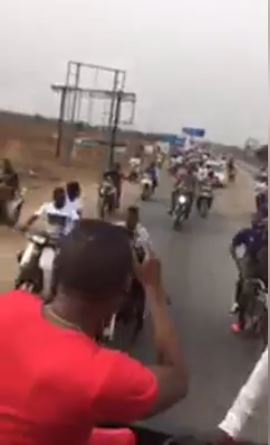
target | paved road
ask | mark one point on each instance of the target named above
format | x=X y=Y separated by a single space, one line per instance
x=200 y=278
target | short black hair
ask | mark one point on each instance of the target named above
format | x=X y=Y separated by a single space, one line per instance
x=95 y=260
x=59 y=197
x=73 y=189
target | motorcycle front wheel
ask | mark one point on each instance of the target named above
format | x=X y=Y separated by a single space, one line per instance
x=178 y=221
x=145 y=195
x=203 y=207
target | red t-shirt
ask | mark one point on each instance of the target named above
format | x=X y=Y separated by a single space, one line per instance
x=56 y=383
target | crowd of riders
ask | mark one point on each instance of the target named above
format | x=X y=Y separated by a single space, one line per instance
x=72 y=386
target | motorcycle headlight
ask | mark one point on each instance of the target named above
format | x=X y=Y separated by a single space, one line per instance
x=182 y=199
x=38 y=239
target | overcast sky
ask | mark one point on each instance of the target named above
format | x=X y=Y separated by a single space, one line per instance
x=191 y=62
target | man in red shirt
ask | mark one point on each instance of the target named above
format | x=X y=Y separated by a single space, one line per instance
x=56 y=382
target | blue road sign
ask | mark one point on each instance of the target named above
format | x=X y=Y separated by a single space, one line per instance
x=194 y=132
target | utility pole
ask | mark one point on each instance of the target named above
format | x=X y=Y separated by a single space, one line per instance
x=115 y=127
x=112 y=105
x=75 y=93
x=60 y=123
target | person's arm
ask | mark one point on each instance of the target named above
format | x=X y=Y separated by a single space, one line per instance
x=170 y=369
x=248 y=399
x=33 y=218
x=131 y=391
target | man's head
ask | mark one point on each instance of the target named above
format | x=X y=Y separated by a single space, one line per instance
x=59 y=197
x=73 y=190
x=94 y=267
x=133 y=217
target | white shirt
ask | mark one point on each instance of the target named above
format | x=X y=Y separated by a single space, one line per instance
x=76 y=205
x=70 y=214
x=142 y=237
x=134 y=162
x=248 y=399
x=202 y=173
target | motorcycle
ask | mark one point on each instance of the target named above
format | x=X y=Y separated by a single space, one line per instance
x=232 y=174
x=181 y=211
x=256 y=310
x=106 y=200
x=252 y=307
x=11 y=204
x=204 y=201
x=36 y=264
x=146 y=187
x=134 y=175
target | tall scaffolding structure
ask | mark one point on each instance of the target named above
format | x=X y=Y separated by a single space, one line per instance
x=73 y=93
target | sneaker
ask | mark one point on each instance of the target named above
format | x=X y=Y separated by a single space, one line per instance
x=236 y=328
x=234 y=309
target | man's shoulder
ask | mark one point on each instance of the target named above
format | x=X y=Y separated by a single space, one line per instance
x=17 y=304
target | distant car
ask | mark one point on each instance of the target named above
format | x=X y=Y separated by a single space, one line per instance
x=220 y=173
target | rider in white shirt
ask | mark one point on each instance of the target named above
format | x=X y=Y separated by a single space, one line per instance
x=58 y=215
x=140 y=234
x=202 y=172
x=73 y=196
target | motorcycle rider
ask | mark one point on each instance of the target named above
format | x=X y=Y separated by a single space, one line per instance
x=152 y=171
x=9 y=185
x=52 y=212
x=142 y=247
x=77 y=383
x=185 y=183
x=73 y=192
x=9 y=176
x=254 y=240
x=138 y=232
x=117 y=176
x=230 y=166
x=206 y=184
x=261 y=200
x=202 y=172
x=109 y=186
x=135 y=167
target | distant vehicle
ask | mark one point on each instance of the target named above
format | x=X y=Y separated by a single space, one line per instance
x=220 y=173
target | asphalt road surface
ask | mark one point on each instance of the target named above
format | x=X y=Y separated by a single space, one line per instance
x=200 y=277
